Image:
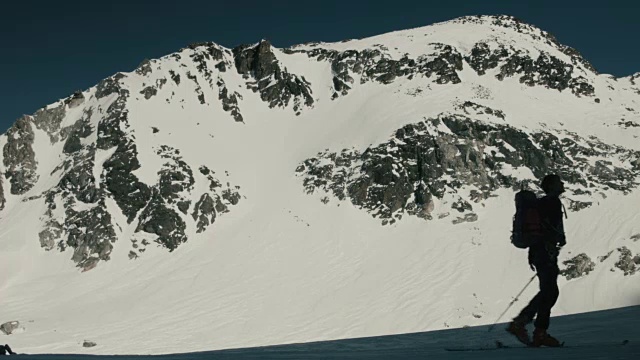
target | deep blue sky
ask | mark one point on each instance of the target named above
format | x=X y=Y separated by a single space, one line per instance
x=48 y=49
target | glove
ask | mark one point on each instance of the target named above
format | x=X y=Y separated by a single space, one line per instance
x=562 y=241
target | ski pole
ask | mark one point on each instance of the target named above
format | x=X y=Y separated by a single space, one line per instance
x=512 y=302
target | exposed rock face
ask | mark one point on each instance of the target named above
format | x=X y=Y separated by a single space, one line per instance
x=49 y=120
x=204 y=212
x=2 y=198
x=75 y=100
x=627 y=262
x=160 y=219
x=51 y=233
x=203 y=53
x=109 y=85
x=163 y=215
x=546 y=70
x=376 y=65
x=77 y=217
x=471 y=108
x=467 y=218
x=151 y=90
x=73 y=134
x=229 y=100
x=276 y=86
x=580 y=265
x=175 y=77
x=217 y=202
x=9 y=327
x=83 y=224
x=91 y=235
x=169 y=196
x=199 y=92
x=144 y=68
x=452 y=154
x=19 y=158
x=445 y=62
x=130 y=194
x=535 y=33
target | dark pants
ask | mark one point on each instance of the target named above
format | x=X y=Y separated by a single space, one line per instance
x=542 y=303
x=6 y=350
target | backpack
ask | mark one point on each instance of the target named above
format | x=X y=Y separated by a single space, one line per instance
x=527 y=223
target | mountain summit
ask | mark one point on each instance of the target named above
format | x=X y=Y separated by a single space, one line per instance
x=259 y=195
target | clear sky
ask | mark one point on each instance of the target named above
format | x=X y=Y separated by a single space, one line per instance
x=48 y=49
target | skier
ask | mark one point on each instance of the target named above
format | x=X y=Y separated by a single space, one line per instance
x=6 y=350
x=543 y=258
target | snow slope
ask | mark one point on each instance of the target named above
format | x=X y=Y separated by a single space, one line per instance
x=586 y=336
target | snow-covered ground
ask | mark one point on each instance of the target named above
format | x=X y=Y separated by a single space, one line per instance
x=282 y=267
x=611 y=334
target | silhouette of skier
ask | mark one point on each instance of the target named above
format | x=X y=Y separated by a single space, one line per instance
x=543 y=258
x=6 y=350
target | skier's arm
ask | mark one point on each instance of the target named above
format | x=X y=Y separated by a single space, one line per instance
x=551 y=212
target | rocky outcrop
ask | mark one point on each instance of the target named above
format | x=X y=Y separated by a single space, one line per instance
x=162 y=220
x=199 y=92
x=229 y=100
x=168 y=196
x=88 y=344
x=51 y=234
x=90 y=234
x=175 y=77
x=75 y=133
x=110 y=86
x=472 y=109
x=151 y=90
x=443 y=158
x=578 y=266
x=375 y=65
x=445 y=62
x=536 y=34
x=215 y=203
x=118 y=177
x=83 y=224
x=204 y=52
x=9 y=327
x=75 y=100
x=49 y=120
x=276 y=86
x=204 y=212
x=144 y=68
x=2 y=198
x=627 y=263
x=546 y=70
x=19 y=158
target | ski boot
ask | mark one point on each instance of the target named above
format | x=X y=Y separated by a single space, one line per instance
x=518 y=328
x=542 y=338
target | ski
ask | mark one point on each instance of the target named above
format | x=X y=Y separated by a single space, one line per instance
x=500 y=346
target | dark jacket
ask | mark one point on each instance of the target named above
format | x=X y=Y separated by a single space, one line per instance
x=546 y=250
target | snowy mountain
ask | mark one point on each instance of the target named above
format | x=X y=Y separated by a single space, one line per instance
x=218 y=198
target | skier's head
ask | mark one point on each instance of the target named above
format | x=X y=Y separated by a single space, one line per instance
x=552 y=185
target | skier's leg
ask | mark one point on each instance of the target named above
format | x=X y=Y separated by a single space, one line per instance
x=6 y=346
x=549 y=292
x=529 y=312
x=518 y=327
